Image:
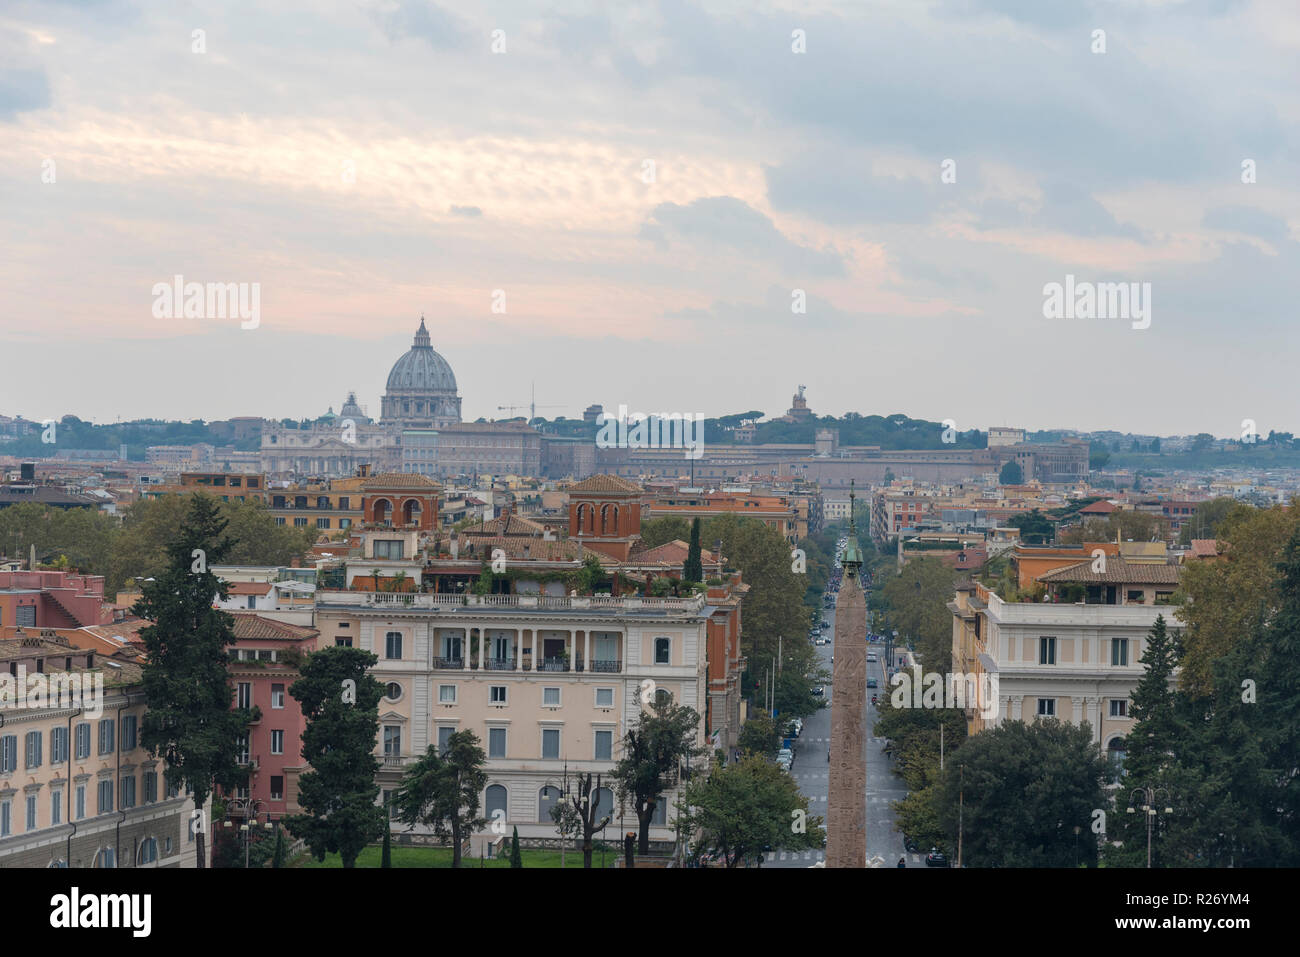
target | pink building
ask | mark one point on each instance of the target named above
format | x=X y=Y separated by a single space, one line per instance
x=264 y=665
x=53 y=599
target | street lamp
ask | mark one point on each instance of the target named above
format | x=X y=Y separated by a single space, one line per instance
x=247 y=805
x=1149 y=795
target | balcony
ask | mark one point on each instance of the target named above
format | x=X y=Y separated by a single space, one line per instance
x=501 y=664
x=393 y=760
x=608 y=667
x=553 y=664
x=457 y=664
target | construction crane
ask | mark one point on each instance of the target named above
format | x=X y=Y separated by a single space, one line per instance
x=532 y=407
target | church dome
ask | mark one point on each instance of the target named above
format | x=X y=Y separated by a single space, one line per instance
x=421 y=369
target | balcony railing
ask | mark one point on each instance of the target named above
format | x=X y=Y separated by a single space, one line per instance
x=456 y=663
x=393 y=760
x=501 y=664
x=611 y=667
x=553 y=664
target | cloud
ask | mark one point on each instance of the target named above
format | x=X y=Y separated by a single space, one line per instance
x=422 y=20
x=470 y=211
x=724 y=221
x=1249 y=220
x=22 y=90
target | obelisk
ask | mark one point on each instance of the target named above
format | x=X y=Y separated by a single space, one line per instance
x=846 y=807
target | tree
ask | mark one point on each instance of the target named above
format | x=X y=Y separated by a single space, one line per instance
x=1024 y=789
x=1208 y=518
x=441 y=791
x=1011 y=474
x=660 y=740
x=693 y=570
x=580 y=815
x=747 y=808
x=340 y=702
x=516 y=860
x=1035 y=527
x=916 y=603
x=386 y=855
x=1155 y=444
x=759 y=735
x=190 y=721
x=277 y=861
x=660 y=531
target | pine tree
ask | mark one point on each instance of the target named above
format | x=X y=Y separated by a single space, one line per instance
x=278 y=860
x=693 y=570
x=190 y=721
x=515 y=859
x=386 y=857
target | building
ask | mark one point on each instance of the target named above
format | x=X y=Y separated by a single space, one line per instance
x=1078 y=661
x=76 y=787
x=489 y=448
x=265 y=658
x=421 y=390
x=1002 y=435
x=52 y=599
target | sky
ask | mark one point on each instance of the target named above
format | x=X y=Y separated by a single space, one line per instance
x=627 y=203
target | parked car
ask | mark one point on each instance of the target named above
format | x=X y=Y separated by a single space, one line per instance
x=936 y=858
x=871 y=682
x=819 y=691
x=872 y=658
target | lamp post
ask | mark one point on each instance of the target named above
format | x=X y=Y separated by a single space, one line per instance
x=250 y=808
x=1149 y=795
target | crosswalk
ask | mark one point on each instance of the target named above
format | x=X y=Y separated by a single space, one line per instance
x=873 y=740
x=804 y=856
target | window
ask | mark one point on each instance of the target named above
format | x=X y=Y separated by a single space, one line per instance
x=8 y=753
x=81 y=801
x=550 y=697
x=277 y=742
x=1047 y=651
x=31 y=812
x=495 y=805
x=1115 y=754
x=277 y=696
x=106 y=736
x=277 y=787
x=129 y=722
x=83 y=740
x=345 y=502
x=602 y=802
x=663 y=650
x=392 y=740
x=34 y=749
x=322 y=523
x=58 y=745
x=660 y=816
x=148 y=852
x=496 y=742
x=252 y=602
x=105 y=797
x=128 y=791
x=663 y=698
x=342 y=642
x=604 y=745
x=56 y=805
x=1119 y=709
x=300 y=522
x=550 y=742
x=497 y=694
x=393 y=644
x=446 y=694
x=107 y=857
x=1047 y=707
x=6 y=817
x=150 y=787
x=241 y=749
x=1119 y=651
x=393 y=691
x=546 y=799
x=1135 y=597
x=604 y=697
x=390 y=550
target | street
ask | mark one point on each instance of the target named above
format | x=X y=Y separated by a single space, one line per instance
x=811 y=770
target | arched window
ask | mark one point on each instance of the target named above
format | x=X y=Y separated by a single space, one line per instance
x=663 y=698
x=322 y=501
x=148 y=853
x=546 y=799
x=106 y=857
x=496 y=800
x=411 y=512
x=1115 y=753
x=57 y=862
x=383 y=511
x=660 y=816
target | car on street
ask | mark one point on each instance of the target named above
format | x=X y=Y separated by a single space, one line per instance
x=872 y=658
x=936 y=858
x=819 y=691
x=871 y=682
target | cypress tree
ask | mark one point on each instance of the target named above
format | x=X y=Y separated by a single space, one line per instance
x=386 y=858
x=693 y=570
x=515 y=859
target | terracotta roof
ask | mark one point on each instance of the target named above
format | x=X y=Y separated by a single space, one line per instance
x=1098 y=508
x=1118 y=572
x=539 y=549
x=249 y=588
x=514 y=525
x=669 y=553
x=1204 y=547
x=254 y=627
x=606 y=483
x=407 y=480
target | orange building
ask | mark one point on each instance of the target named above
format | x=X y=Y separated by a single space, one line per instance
x=605 y=514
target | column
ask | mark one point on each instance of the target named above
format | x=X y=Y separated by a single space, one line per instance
x=1015 y=707
x=482 y=647
x=519 y=649
x=586 y=652
x=464 y=651
x=571 y=646
x=1078 y=709
x=1093 y=703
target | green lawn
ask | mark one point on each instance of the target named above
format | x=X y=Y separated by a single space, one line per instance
x=441 y=857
